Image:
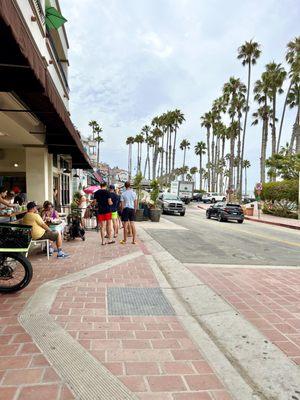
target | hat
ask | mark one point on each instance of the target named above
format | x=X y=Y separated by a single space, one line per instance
x=112 y=187
x=31 y=205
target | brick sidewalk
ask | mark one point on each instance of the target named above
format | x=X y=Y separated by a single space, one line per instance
x=268 y=298
x=152 y=355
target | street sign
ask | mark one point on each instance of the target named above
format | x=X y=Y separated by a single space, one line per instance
x=258 y=187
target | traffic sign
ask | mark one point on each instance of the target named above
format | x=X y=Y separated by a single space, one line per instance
x=258 y=186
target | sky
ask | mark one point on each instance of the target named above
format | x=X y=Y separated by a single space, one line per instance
x=131 y=60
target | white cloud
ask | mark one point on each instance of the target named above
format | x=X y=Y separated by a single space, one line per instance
x=154 y=44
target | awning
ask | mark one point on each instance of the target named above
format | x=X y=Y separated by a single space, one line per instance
x=24 y=72
x=95 y=178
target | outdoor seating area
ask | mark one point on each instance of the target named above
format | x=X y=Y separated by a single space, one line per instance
x=52 y=226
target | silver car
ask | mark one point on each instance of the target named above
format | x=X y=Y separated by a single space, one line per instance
x=171 y=204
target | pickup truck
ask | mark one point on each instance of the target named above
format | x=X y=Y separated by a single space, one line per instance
x=212 y=197
x=170 y=203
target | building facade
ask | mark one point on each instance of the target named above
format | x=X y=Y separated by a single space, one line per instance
x=39 y=146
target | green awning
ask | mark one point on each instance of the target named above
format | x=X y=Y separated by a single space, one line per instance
x=54 y=19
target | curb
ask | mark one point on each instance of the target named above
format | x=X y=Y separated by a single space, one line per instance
x=273 y=223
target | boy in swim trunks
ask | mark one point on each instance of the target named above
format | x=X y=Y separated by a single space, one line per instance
x=114 y=209
x=104 y=203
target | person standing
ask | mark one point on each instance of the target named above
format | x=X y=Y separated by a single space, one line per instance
x=129 y=206
x=104 y=214
x=115 y=198
x=82 y=205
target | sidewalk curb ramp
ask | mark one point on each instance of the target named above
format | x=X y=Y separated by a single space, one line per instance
x=251 y=360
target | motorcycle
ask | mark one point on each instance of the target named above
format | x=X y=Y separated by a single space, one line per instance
x=15 y=269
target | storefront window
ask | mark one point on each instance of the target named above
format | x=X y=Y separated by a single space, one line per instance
x=65 y=189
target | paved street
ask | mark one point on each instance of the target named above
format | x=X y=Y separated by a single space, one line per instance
x=209 y=241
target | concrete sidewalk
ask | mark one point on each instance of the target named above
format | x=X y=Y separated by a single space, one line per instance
x=106 y=324
x=273 y=220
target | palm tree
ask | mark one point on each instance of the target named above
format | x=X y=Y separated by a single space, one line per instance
x=178 y=119
x=249 y=53
x=139 y=139
x=293 y=100
x=275 y=75
x=193 y=172
x=130 y=141
x=93 y=124
x=146 y=133
x=263 y=113
x=200 y=150
x=246 y=165
x=293 y=59
x=207 y=121
x=98 y=139
x=234 y=93
x=185 y=144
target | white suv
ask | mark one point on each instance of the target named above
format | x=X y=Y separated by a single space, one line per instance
x=212 y=197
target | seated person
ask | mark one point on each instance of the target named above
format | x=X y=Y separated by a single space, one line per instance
x=49 y=214
x=10 y=197
x=41 y=231
x=4 y=203
x=20 y=198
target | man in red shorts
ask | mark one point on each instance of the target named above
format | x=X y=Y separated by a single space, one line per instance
x=104 y=203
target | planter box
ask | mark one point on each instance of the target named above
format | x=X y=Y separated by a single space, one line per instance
x=249 y=211
x=155 y=215
x=139 y=215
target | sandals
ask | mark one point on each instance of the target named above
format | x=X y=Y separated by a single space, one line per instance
x=122 y=242
x=111 y=242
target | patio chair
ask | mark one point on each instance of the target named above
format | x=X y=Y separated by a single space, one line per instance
x=42 y=242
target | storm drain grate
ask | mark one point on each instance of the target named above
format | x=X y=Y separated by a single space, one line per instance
x=137 y=301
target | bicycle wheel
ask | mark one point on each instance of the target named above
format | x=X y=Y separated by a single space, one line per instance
x=15 y=272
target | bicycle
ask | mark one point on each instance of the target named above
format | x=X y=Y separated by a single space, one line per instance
x=15 y=269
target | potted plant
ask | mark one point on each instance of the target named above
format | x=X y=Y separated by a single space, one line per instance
x=155 y=212
x=137 y=184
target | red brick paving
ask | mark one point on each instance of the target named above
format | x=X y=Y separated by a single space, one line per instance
x=22 y=366
x=153 y=356
x=268 y=298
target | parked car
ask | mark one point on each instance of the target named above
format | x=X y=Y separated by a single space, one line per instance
x=212 y=197
x=247 y=200
x=197 y=196
x=226 y=212
x=170 y=203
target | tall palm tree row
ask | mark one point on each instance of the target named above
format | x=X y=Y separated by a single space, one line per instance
x=222 y=147
x=226 y=122
x=160 y=139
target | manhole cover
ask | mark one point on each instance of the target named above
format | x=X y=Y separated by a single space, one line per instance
x=137 y=301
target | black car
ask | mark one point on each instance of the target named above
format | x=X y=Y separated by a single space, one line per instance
x=197 y=196
x=226 y=212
